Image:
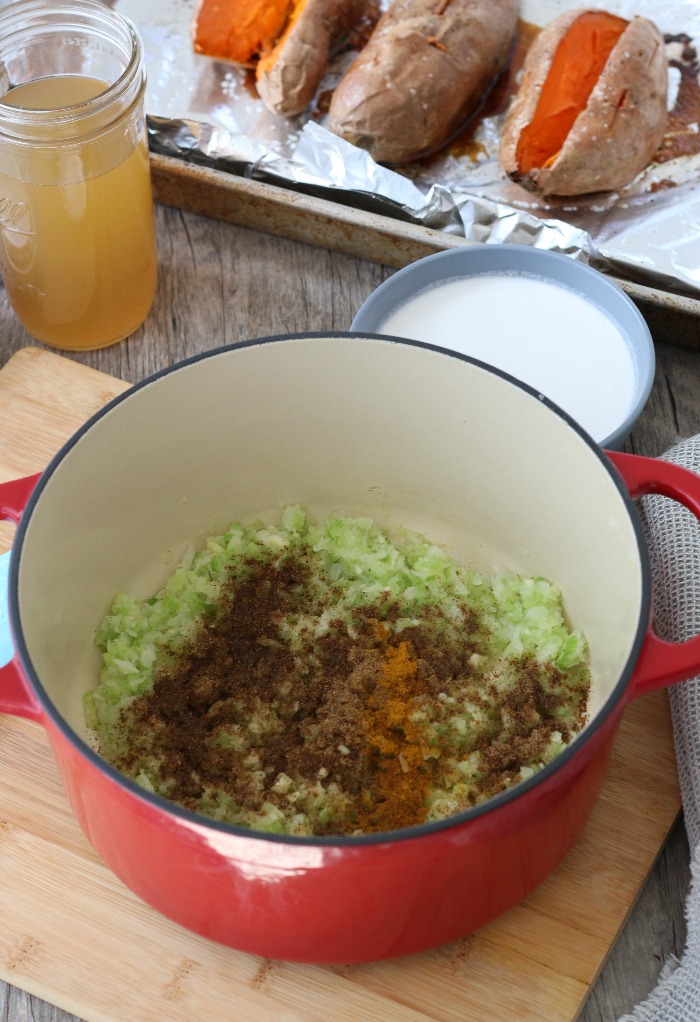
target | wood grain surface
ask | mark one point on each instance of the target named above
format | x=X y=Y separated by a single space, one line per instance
x=333 y=225
x=220 y=283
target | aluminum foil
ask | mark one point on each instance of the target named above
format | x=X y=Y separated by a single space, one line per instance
x=208 y=112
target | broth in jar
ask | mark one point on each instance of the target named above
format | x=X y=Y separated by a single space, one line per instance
x=77 y=235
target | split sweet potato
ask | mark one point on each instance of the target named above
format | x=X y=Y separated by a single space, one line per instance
x=288 y=77
x=426 y=68
x=590 y=111
x=288 y=42
x=239 y=30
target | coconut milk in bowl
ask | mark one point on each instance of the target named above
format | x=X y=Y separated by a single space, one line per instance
x=551 y=322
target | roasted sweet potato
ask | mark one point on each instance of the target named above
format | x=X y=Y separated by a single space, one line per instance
x=288 y=42
x=239 y=30
x=425 y=69
x=590 y=111
x=288 y=77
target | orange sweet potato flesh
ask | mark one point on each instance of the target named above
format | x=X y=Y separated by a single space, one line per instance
x=578 y=63
x=240 y=30
x=289 y=76
x=288 y=42
x=272 y=55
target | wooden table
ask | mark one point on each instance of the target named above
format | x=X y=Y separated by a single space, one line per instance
x=220 y=283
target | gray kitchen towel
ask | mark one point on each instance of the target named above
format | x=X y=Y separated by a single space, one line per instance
x=673 y=536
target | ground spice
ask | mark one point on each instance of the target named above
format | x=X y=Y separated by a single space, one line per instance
x=402 y=779
x=339 y=710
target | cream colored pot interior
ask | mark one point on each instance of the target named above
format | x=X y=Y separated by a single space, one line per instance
x=340 y=424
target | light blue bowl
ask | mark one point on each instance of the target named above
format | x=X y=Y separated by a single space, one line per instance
x=519 y=260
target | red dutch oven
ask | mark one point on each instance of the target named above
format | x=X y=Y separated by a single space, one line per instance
x=351 y=424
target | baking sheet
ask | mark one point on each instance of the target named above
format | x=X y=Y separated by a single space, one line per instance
x=208 y=112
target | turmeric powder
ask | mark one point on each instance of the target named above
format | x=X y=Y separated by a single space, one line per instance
x=403 y=776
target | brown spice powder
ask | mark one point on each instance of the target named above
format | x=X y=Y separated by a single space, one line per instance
x=339 y=709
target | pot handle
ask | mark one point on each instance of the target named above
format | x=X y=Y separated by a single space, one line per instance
x=15 y=494
x=15 y=696
x=661 y=663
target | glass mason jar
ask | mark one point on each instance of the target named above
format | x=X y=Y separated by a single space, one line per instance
x=77 y=236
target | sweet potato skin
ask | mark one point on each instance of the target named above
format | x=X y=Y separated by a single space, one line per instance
x=427 y=66
x=287 y=79
x=619 y=131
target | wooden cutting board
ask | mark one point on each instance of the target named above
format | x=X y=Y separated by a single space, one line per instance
x=72 y=934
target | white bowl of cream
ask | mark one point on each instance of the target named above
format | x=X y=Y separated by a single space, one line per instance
x=547 y=320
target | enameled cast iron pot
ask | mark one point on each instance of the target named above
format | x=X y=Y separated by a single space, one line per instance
x=349 y=424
